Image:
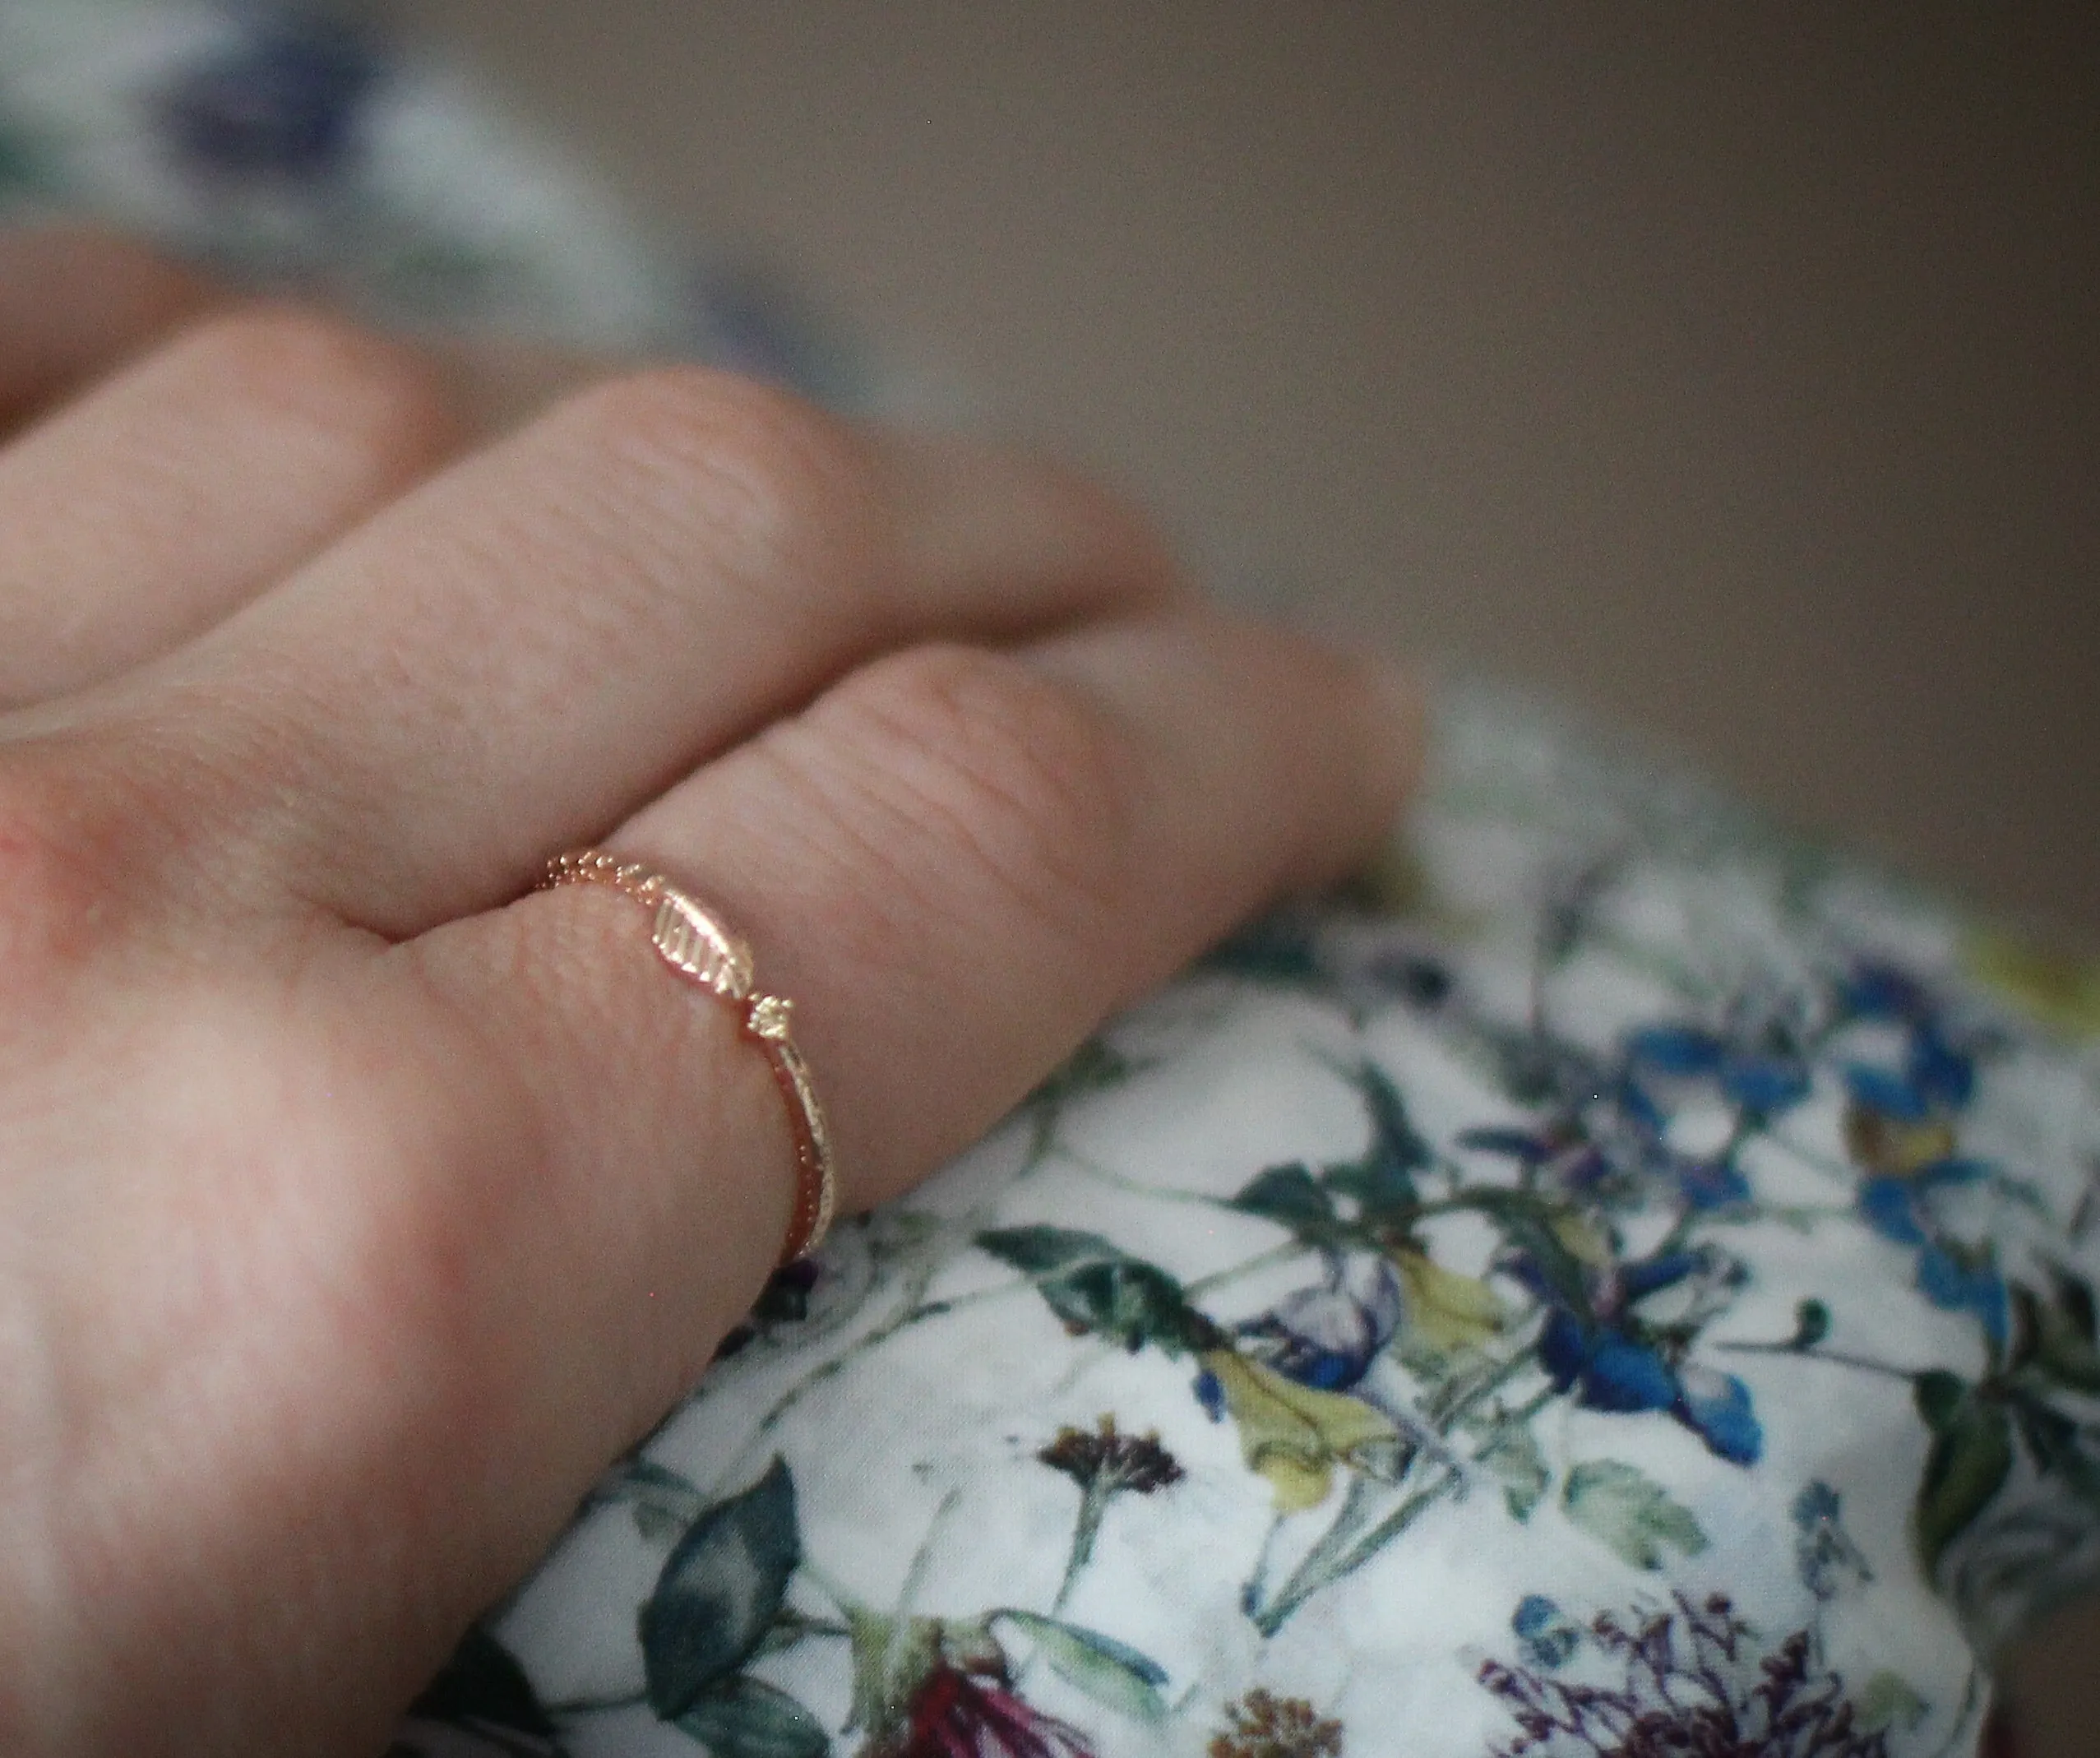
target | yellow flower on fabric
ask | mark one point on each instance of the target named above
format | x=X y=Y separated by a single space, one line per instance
x=1446 y=1310
x=1293 y=1435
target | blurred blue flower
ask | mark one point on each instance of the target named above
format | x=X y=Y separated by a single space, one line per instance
x=1901 y=1207
x=1875 y=989
x=1962 y=1282
x=1764 y=1071
x=283 y=100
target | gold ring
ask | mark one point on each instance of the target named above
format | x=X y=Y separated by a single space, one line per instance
x=691 y=940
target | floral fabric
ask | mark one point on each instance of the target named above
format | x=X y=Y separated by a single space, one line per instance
x=1621 y=1282
x=284 y=146
x=1635 y=1295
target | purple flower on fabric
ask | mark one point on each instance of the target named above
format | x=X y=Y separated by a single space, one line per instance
x=1693 y=1678
x=1613 y=1147
x=1327 y=1337
x=283 y=99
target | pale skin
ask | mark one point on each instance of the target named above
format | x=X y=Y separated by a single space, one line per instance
x=357 y=1204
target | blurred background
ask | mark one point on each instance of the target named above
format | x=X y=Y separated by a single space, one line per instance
x=1732 y=373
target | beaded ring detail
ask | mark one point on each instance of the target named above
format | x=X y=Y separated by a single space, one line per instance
x=691 y=940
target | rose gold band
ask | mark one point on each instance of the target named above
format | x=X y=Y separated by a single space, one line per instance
x=691 y=940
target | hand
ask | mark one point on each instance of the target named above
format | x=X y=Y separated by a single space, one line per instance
x=357 y=1204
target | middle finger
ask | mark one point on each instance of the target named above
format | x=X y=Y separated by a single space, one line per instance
x=518 y=655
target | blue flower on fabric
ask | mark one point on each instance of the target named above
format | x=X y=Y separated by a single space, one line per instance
x=1962 y=1282
x=1764 y=1074
x=1877 y=990
x=1548 y=1635
x=1900 y=1208
x=1327 y=1337
x=1559 y=1154
x=283 y=99
x=1900 y=1118
x=1616 y=1149
x=1705 y=1185
x=1900 y=1130
x=1613 y=1361
x=1936 y=1080
x=1954 y=1278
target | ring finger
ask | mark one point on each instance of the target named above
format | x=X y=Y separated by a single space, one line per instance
x=955 y=863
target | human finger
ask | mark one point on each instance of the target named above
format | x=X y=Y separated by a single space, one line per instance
x=174 y=491
x=75 y=302
x=955 y=863
x=959 y=860
x=555 y=629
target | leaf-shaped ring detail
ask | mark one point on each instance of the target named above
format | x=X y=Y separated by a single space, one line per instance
x=691 y=938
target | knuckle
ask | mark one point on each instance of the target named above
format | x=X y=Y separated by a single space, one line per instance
x=316 y=371
x=783 y=490
x=1022 y=782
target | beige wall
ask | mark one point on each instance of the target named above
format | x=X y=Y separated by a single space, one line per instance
x=1735 y=370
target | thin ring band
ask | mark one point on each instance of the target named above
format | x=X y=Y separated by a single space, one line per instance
x=691 y=940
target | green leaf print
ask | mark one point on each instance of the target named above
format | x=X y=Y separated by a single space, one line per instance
x=718 y=1592
x=1513 y=1458
x=1383 y=1180
x=1971 y=1458
x=1887 y=1700
x=1287 y=1196
x=1113 y=1673
x=1038 y=1250
x=1098 y=1289
x=743 y=1718
x=1630 y=1513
